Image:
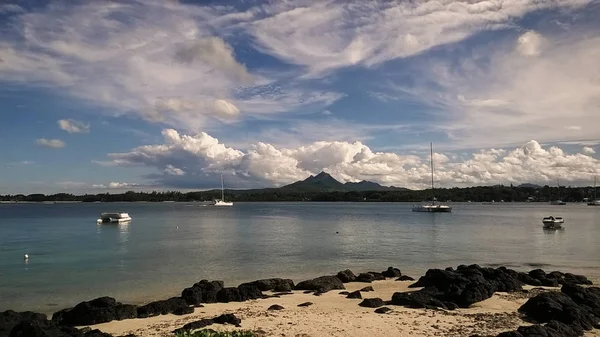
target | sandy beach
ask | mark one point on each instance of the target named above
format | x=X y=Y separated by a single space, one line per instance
x=332 y=314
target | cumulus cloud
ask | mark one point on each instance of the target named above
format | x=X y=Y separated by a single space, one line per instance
x=530 y=43
x=196 y=161
x=73 y=126
x=588 y=150
x=115 y=185
x=51 y=143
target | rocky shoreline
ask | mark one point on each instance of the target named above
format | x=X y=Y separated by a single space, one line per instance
x=568 y=305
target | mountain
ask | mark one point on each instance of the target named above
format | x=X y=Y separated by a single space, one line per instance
x=528 y=185
x=324 y=182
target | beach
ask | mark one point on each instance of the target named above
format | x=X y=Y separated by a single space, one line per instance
x=333 y=314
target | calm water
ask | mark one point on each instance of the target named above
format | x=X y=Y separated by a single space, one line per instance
x=74 y=259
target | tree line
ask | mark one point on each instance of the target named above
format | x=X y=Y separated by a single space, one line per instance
x=474 y=194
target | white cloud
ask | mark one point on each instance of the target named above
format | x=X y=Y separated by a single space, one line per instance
x=115 y=185
x=196 y=161
x=73 y=126
x=51 y=143
x=588 y=150
x=497 y=96
x=323 y=36
x=530 y=43
x=162 y=63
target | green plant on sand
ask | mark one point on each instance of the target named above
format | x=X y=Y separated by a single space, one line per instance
x=213 y=333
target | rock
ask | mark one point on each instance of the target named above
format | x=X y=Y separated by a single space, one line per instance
x=9 y=319
x=559 y=307
x=308 y=292
x=588 y=298
x=343 y=293
x=346 y=276
x=272 y=284
x=322 y=284
x=371 y=302
x=525 y=278
x=162 y=307
x=354 y=294
x=252 y=292
x=392 y=272
x=365 y=277
x=276 y=307
x=537 y=274
x=382 y=310
x=202 y=292
x=229 y=294
x=367 y=289
x=305 y=304
x=576 y=279
x=227 y=319
x=420 y=299
x=405 y=278
x=377 y=276
x=317 y=293
x=99 y=310
x=549 y=282
x=183 y=311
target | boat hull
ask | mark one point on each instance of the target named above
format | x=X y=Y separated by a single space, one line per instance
x=433 y=209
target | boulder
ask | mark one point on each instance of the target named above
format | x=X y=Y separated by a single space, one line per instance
x=202 y=292
x=229 y=294
x=367 y=289
x=163 y=307
x=272 y=284
x=551 y=329
x=222 y=319
x=372 y=302
x=99 y=310
x=321 y=284
x=525 y=278
x=377 y=276
x=405 y=278
x=227 y=319
x=346 y=276
x=305 y=304
x=588 y=298
x=365 y=277
x=354 y=294
x=250 y=292
x=558 y=306
x=576 y=279
x=9 y=319
x=392 y=272
x=343 y=292
x=275 y=307
x=382 y=310
x=183 y=311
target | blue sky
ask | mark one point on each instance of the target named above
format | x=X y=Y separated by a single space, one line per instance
x=110 y=96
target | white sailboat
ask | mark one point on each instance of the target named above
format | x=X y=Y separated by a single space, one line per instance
x=594 y=202
x=222 y=202
x=559 y=201
x=433 y=207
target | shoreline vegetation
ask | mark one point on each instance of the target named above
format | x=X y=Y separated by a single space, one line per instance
x=474 y=194
x=462 y=301
x=323 y=187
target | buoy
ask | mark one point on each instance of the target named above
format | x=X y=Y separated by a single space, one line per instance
x=337 y=232
x=176 y=227
x=26 y=257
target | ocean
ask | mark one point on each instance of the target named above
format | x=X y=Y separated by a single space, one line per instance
x=170 y=246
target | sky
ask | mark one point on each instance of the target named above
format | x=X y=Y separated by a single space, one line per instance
x=109 y=96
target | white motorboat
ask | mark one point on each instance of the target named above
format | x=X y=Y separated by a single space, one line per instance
x=119 y=217
x=433 y=207
x=552 y=222
x=222 y=202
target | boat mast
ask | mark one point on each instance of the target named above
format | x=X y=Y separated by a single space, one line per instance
x=431 y=163
x=222 y=191
x=595 y=189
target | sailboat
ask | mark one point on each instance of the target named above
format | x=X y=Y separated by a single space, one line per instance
x=433 y=207
x=594 y=202
x=222 y=202
x=559 y=201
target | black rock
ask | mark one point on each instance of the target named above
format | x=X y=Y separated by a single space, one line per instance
x=365 y=277
x=382 y=310
x=9 y=319
x=183 y=311
x=99 y=310
x=559 y=307
x=346 y=276
x=307 y=291
x=549 y=282
x=272 y=284
x=317 y=293
x=367 y=289
x=195 y=325
x=163 y=307
x=343 y=293
x=538 y=274
x=322 y=284
x=576 y=279
x=251 y=292
x=525 y=278
x=392 y=272
x=372 y=302
x=305 y=304
x=276 y=307
x=588 y=298
x=229 y=294
x=405 y=278
x=202 y=292
x=377 y=276
x=227 y=319
x=354 y=294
